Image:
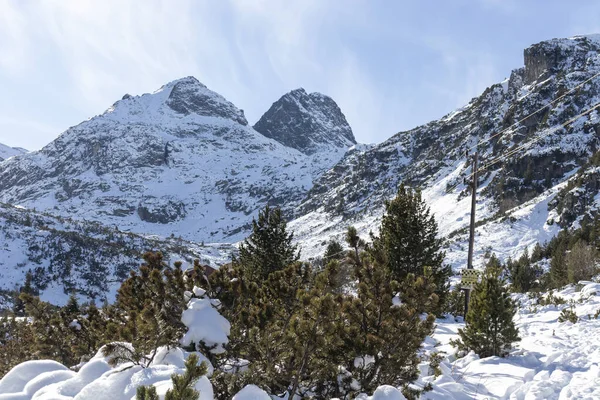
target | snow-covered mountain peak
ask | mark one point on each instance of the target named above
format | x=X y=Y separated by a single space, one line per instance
x=181 y=159
x=179 y=99
x=309 y=122
x=188 y=95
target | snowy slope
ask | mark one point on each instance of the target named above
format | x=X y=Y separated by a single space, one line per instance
x=7 y=152
x=66 y=254
x=181 y=160
x=553 y=360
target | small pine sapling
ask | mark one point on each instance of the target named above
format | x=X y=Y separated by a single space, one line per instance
x=567 y=314
x=146 y=393
x=183 y=385
x=490 y=329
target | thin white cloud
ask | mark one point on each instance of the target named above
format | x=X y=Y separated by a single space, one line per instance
x=106 y=47
x=14 y=42
x=87 y=54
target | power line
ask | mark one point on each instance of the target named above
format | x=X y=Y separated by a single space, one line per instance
x=535 y=139
x=497 y=159
x=525 y=145
x=535 y=112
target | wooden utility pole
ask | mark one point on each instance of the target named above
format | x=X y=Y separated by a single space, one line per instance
x=472 y=227
x=473 y=205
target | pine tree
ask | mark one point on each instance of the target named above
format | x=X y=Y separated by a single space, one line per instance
x=489 y=329
x=16 y=343
x=90 y=332
x=69 y=334
x=581 y=262
x=147 y=312
x=355 y=243
x=384 y=327
x=27 y=288
x=286 y=327
x=408 y=241
x=334 y=251
x=183 y=385
x=314 y=338
x=521 y=273
x=72 y=306
x=538 y=253
x=261 y=315
x=146 y=393
x=558 y=267
x=269 y=247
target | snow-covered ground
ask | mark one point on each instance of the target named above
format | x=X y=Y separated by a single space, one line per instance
x=553 y=360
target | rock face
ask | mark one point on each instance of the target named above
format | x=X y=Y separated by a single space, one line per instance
x=189 y=96
x=554 y=55
x=432 y=157
x=7 y=151
x=309 y=123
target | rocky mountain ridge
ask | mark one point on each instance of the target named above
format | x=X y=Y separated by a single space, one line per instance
x=432 y=157
x=182 y=159
x=309 y=123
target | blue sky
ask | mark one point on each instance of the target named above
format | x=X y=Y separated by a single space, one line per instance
x=390 y=65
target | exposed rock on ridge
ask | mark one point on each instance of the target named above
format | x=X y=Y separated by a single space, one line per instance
x=310 y=123
x=188 y=95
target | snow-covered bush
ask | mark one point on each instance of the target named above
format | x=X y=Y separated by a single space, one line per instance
x=206 y=328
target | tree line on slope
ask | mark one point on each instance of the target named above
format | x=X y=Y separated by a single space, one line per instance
x=568 y=258
x=348 y=327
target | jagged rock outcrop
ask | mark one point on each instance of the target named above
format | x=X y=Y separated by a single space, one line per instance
x=188 y=96
x=309 y=123
x=551 y=56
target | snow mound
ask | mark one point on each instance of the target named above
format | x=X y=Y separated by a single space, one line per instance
x=251 y=392
x=387 y=392
x=18 y=377
x=96 y=380
x=37 y=383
